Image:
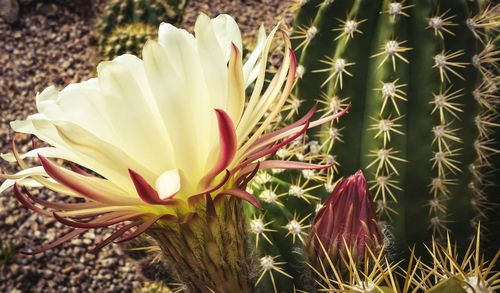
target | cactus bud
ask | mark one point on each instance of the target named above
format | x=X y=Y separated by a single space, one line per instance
x=346 y=224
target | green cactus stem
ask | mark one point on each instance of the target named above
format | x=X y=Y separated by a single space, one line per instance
x=422 y=80
x=207 y=251
x=421 y=125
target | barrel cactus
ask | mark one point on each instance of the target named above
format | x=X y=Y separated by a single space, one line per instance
x=125 y=26
x=127 y=39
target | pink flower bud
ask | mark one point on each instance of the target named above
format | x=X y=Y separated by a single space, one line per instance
x=346 y=222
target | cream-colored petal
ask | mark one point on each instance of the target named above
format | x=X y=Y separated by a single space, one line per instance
x=23 y=178
x=177 y=84
x=236 y=87
x=246 y=125
x=74 y=103
x=273 y=94
x=33 y=171
x=28 y=182
x=26 y=126
x=227 y=32
x=131 y=110
x=168 y=183
x=45 y=132
x=99 y=156
x=43 y=128
x=48 y=94
x=49 y=152
x=102 y=188
x=213 y=62
x=251 y=67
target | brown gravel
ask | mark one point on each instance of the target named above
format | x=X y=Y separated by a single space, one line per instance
x=249 y=14
x=55 y=45
x=38 y=51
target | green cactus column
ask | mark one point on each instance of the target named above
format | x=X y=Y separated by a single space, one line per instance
x=420 y=76
x=421 y=125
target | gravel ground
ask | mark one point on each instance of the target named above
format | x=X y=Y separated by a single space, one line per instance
x=39 y=51
x=249 y=14
x=55 y=45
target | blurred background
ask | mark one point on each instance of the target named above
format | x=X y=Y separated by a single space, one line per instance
x=45 y=43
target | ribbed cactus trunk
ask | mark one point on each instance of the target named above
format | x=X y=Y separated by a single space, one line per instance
x=125 y=25
x=419 y=77
x=207 y=251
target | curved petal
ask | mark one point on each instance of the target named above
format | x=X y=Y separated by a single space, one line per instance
x=252 y=67
x=140 y=229
x=58 y=242
x=236 y=87
x=245 y=125
x=113 y=236
x=93 y=188
x=48 y=152
x=30 y=177
x=289 y=63
x=176 y=81
x=96 y=223
x=241 y=194
x=73 y=104
x=34 y=171
x=28 y=182
x=84 y=148
x=27 y=204
x=227 y=146
x=276 y=164
x=63 y=206
x=132 y=111
x=213 y=61
x=295 y=127
x=147 y=193
x=103 y=158
x=227 y=33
